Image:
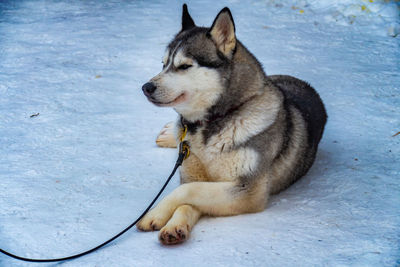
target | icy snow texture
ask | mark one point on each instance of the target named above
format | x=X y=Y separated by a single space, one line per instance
x=87 y=165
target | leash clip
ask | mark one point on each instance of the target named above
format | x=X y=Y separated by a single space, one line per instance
x=184 y=148
x=185 y=128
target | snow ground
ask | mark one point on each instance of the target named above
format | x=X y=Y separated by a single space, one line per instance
x=87 y=165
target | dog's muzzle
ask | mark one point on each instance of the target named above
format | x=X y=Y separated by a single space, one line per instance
x=148 y=88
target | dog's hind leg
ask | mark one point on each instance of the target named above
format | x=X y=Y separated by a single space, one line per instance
x=179 y=226
x=166 y=138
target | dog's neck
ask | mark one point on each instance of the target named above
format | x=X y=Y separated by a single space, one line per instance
x=211 y=117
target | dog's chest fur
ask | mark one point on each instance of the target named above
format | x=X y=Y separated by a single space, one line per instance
x=222 y=162
x=226 y=155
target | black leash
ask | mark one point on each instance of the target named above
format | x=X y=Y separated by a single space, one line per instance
x=183 y=154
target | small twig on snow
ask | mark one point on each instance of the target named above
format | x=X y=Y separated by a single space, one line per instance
x=35 y=115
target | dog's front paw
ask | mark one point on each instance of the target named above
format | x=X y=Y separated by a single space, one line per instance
x=152 y=221
x=174 y=234
x=166 y=138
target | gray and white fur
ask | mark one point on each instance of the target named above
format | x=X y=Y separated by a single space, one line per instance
x=250 y=135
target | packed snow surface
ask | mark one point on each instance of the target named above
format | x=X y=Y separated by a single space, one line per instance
x=78 y=161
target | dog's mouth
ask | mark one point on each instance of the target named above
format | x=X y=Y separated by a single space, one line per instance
x=177 y=100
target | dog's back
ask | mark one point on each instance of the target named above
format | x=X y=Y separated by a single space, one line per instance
x=305 y=100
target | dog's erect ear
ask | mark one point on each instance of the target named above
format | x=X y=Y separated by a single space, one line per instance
x=187 y=21
x=222 y=32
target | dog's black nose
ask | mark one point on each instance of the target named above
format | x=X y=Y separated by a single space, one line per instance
x=149 y=88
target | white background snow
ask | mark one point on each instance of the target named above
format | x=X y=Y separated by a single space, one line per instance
x=87 y=165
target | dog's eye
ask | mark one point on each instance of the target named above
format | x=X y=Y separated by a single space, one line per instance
x=184 y=67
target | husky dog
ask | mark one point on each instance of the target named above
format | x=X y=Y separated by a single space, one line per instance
x=250 y=135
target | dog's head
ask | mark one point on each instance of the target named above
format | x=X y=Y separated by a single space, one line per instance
x=195 y=66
